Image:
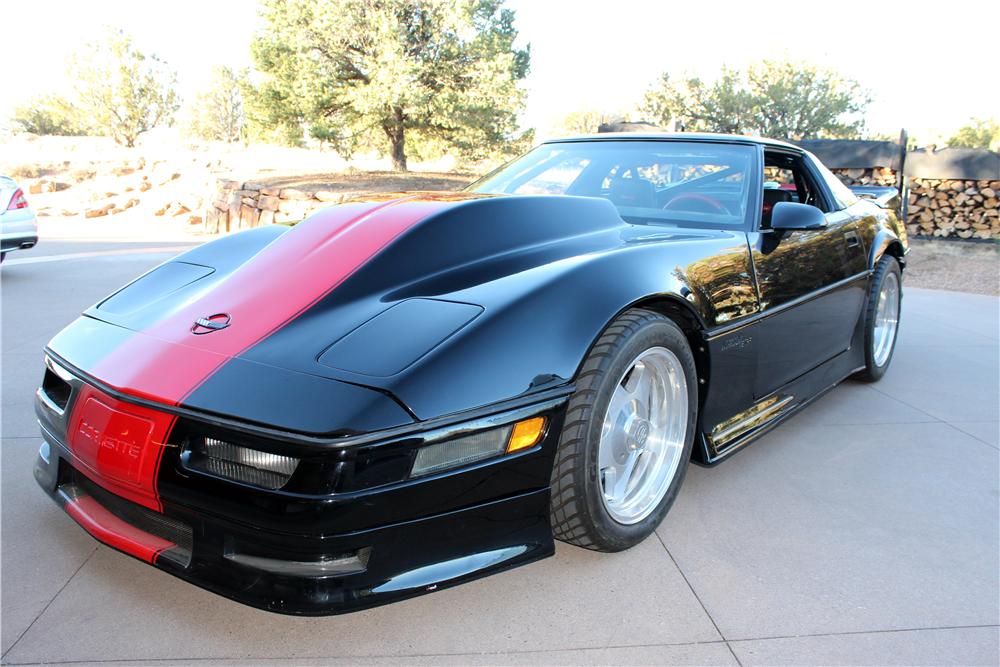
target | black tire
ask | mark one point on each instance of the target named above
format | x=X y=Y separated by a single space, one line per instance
x=3 y=256
x=577 y=512
x=873 y=371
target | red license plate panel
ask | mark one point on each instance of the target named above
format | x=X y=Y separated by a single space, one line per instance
x=112 y=442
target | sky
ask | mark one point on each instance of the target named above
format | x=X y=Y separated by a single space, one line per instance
x=929 y=66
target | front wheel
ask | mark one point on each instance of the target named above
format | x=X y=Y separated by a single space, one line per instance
x=629 y=431
x=882 y=318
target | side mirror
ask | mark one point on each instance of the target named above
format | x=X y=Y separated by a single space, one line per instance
x=793 y=216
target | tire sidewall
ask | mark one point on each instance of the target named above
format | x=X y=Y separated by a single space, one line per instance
x=887 y=264
x=658 y=332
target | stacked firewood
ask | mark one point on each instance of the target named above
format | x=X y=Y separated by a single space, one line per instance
x=955 y=208
x=963 y=209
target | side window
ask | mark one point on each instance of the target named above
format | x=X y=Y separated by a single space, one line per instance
x=842 y=195
x=786 y=179
x=556 y=179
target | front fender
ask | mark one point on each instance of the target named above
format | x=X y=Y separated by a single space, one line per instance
x=538 y=325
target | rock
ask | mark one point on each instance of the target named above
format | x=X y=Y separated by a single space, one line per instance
x=163 y=209
x=67 y=212
x=281 y=217
x=131 y=202
x=36 y=187
x=293 y=207
x=116 y=210
x=165 y=178
x=98 y=212
x=266 y=218
x=233 y=219
x=211 y=219
x=249 y=201
x=268 y=203
x=180 y=209
x=253 y=186
x=227 y=184
x=249 y=217
x=295 y=193
x=80 y=175
x=194 y=220
x=270 y=191
x=327 y=195
x=145 y=185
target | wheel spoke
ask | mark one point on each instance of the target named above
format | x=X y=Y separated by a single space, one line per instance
x=609 y=476
x=643 y=435
x=622 y=482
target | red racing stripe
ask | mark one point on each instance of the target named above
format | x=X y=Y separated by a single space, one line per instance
x=166 y=362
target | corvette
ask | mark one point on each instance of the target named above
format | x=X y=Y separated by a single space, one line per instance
x=408 y=391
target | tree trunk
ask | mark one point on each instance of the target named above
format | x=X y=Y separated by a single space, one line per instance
x=397 y=139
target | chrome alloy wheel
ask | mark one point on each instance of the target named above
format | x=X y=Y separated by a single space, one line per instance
x=886 y=319
x=642 y=438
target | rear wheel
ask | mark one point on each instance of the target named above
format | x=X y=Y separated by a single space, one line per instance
x=629 y=430
x=882 y=318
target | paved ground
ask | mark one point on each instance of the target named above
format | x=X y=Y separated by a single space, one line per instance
x=865 y=530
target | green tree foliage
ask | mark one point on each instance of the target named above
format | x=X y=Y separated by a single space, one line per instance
x=402 y=76
x=772 y=99
x=585 y=121
x=217 y=112
x=122 y=90
x=979 y=133
x=51 y=114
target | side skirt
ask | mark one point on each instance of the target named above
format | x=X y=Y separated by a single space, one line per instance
x=745 y=428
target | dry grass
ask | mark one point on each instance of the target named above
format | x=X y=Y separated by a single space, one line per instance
x=374 y=181
x=26 y=171
x=958 y=266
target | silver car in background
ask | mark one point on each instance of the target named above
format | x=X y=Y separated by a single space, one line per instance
x=18 y=224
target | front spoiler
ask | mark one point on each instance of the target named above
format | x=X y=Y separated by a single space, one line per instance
x=401 y=560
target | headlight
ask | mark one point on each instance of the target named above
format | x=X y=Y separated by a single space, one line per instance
x=242 y=464
x=478 y=446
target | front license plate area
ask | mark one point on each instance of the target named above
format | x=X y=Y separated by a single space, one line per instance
x=112 y=442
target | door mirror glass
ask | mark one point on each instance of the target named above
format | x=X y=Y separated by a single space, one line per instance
x=793 y=216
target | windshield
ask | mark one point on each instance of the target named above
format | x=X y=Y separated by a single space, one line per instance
x=679 y=183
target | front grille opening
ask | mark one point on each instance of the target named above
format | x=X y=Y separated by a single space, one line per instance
x=56 y=389
x=241 y=464
x=146 y=520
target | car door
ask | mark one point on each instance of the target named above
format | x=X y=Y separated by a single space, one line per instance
x=811 y=282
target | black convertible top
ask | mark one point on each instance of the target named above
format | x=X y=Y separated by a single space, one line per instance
x=675 y=136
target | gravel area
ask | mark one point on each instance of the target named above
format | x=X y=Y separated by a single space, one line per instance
x=958 y=266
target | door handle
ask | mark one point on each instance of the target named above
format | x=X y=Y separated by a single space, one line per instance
x=852 y=239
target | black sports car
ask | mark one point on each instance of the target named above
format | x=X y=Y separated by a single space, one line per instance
x=410 y=391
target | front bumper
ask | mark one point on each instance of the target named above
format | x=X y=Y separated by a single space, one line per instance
x=318 y=554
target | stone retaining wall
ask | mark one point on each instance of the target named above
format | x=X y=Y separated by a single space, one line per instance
x=236 y=206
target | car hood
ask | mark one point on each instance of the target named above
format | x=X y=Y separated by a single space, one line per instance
x=316 y=327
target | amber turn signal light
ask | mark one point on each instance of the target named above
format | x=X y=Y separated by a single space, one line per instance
x=526 y=434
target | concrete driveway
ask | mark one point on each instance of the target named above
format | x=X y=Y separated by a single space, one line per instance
x=864 y=531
